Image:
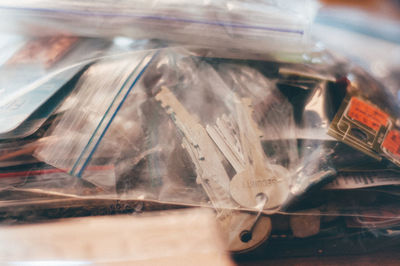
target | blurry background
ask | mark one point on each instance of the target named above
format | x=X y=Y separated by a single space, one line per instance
x=386 y=8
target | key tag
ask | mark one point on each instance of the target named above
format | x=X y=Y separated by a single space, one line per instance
x=249 y=186
x=245 y=231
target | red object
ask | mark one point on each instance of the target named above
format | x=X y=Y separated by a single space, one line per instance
x=367 y=114
x=392 y=142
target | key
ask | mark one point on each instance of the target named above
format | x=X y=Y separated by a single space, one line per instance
x=242 y=230
x=255 y=178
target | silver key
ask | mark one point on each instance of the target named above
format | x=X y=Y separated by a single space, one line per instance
x=242 y=230
x=255 y=178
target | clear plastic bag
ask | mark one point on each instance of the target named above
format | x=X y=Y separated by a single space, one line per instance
x=256 y=25
x=175 y=132
x=177 y=129
x=152 y=163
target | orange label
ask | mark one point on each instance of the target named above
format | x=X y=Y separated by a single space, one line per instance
x=46 y=50
x=392 y=142
x=367 y=114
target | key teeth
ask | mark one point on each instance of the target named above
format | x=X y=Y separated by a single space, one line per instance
x=163 y=104
x=198 y=179
x=166 y=107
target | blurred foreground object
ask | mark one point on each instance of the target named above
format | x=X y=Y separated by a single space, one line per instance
x=166 y=238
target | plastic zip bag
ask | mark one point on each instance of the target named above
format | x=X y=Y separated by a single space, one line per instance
x=256 y=25
x=141 y=164
x=151 y=144
x=156 y=162
x=151 y=140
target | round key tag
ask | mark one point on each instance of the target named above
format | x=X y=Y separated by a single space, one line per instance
x=250 y=185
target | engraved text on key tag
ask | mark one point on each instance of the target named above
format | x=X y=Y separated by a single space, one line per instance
x=248 y=186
